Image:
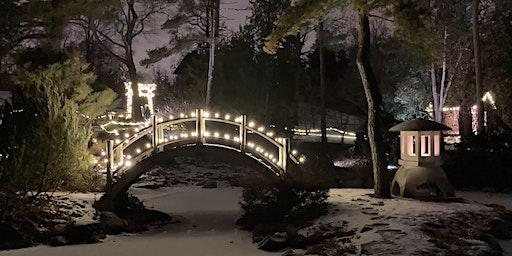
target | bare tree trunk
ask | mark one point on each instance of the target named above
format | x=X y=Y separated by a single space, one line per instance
x=323 y=122
x=478 y=71
x=137 y=103
x=211 y=62
x=438 y=112
x=374 y=101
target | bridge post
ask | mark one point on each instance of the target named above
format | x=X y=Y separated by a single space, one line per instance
x=284 y=151
x=200 y=126
x=110 y=164
x=155 y=140
x=243 y=132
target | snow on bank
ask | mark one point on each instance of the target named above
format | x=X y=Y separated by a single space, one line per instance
x=391 y=225
x=208 y=228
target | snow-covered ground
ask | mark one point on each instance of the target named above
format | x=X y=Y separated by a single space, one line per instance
x=208 y=228
x=208 y=217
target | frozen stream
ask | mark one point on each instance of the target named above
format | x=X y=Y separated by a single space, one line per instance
x=208 y=229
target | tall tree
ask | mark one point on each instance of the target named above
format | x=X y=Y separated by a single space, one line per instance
x=116 y=28
x=478 y=66
x=213 y=41
x=307 y=10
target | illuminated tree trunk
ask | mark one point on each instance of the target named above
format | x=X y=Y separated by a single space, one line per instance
x=478 y=71
x=374 y=101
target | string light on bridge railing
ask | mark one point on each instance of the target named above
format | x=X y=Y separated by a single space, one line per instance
x=261 y=129
x=216 y=134
x=127 y=135
x=227 y=136
x=270 y=134
x=103 y=153
x=193 y=114
x=251 y=124
x=227 y=116
x=250 y=144
x=206 y=114
x=171 y=117
x=194 y=134
x=294 y=152
x=182 y=115
x=160 y=119
x=217 y=115
x=128 y=157
x=128 y=163
x=117 y=141
x=302 y=159
x=138 y=150
x=148 y=145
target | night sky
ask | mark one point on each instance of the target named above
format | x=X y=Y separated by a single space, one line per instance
x=233 y=12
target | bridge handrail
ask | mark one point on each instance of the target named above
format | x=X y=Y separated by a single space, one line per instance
x=115 y=149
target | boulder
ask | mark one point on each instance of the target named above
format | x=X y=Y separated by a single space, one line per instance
x=85 y=234
x=276 y=242
x=112 y=223
x=210 y=184
x=10 y=238
x=501 y=229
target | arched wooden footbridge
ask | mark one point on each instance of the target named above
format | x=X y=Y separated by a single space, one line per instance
x=199 y=127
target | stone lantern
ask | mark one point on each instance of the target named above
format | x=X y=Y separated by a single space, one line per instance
x=420 y=174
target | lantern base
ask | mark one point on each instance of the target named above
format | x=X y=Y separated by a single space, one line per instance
x=421 y=182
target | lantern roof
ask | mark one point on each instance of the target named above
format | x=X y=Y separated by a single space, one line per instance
x=419 y=125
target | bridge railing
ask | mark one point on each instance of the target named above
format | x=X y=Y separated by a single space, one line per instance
x=155 y=136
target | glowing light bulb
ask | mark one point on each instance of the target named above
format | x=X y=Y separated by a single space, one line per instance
x=148 y=145
x=270 y=134
x=171 y=117
x=251 y=124
x=227 y=116
x=117 y=141
x=194 y=134
x=103 y=153
x=193 y=114
x=216 y=134
x=207 y=134
x=226 y=136
x=128 y=157
x=105 y=160
x=126 y=135
x=138 y=150
x=182 y=115
x=161 y=119
x=302 y=159
x=294 y=152
x=217 y=115
x=206 y=114
x=261 y=129
x=128 y=163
